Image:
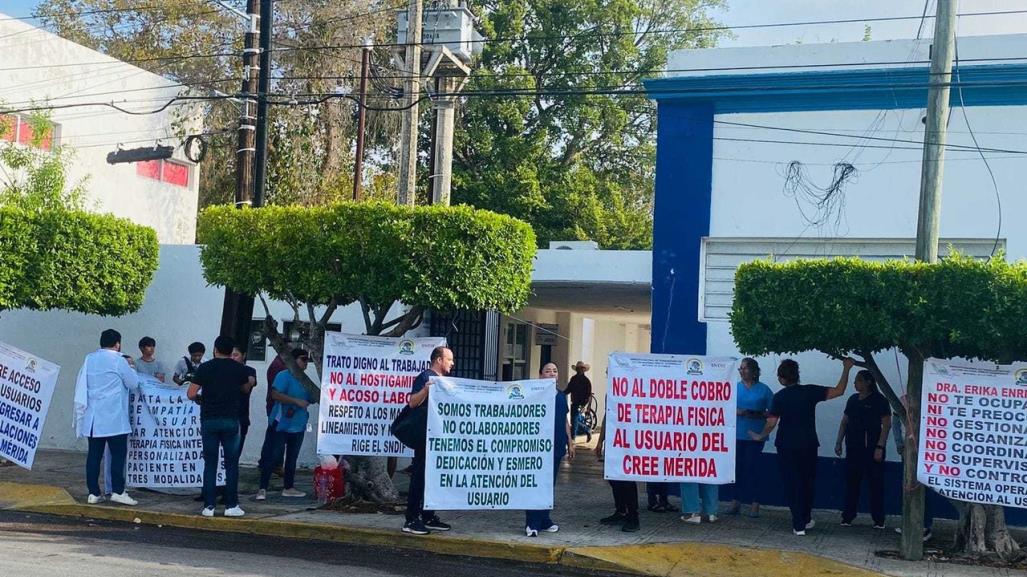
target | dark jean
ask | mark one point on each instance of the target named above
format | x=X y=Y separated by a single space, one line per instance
x=747 y=472
x=657 y=493
x=798 y=476
x=220 y=434
x=119 y=452
x=415 y=494
x=281 y=442
x=860 y=465
x=539 y=519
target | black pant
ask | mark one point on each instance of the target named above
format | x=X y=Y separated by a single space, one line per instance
x=859 y=465
x=119 y=451
x=657 y=492
x=243 y=429
x=625 y=498
x=415 y=496
x=798 y=476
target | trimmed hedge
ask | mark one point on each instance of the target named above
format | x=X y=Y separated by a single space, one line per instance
x=444 y=258
x=958 y=307
x=74 y=260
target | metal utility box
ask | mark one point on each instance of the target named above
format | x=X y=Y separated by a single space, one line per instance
x=449 y=27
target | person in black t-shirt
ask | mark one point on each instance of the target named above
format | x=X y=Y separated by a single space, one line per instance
x=217 y=386
x=419 y=521
x=244 y=396
x=794 y=408
x=864 y=428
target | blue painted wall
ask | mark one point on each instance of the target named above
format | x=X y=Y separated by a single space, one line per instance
x=684 y=176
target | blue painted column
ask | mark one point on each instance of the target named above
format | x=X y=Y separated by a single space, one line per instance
x=684 y=178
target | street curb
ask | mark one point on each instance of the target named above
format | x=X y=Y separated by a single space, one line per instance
x=15 y=496
x=440 y=544
x=653 y=560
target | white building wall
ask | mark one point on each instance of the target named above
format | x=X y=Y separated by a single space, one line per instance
x=40 y=69
x=751 y=199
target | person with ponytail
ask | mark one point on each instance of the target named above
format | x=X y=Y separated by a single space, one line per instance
x=864 y=429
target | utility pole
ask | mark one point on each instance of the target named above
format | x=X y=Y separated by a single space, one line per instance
x=237 y=305
x=928 y=221
x=267 y=16
x=411 y=95
x=358 y=161
x=445 y=110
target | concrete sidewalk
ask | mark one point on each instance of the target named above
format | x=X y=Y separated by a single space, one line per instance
x=665 y=547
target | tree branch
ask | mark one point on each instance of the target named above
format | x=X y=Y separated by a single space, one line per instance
x=411 y=320
x=870 y=364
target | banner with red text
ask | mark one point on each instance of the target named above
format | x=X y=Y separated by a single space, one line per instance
x=973 y=432
x=670 y=418
x=365 y=381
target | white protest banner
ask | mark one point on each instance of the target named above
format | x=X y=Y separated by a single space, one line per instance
x=490 y=445
x=365 y=382
x=973 y=432
x=165 y=448
x=670 y=418
x=26 y=387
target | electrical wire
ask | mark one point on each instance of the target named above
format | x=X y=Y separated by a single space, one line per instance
x=149 y=8
x=537 y=38
x=987 y=165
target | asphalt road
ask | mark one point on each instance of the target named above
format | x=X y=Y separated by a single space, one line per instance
x=45 y=546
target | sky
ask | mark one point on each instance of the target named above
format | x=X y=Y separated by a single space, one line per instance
x=745 y=12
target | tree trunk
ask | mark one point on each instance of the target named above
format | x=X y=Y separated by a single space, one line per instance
x=912 y=546
x=983 y=533
x=369 y=480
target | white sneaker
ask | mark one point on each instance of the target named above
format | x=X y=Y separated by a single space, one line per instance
x=713 y=518
x=123 y=498
x=811 y=524
x=529 y=532
x=94 y=499
x=552 y=528
x=293 y=493
x=207 y=512
x=261 y=495
x=694 y=519
x=234 y=512
x=798 y=533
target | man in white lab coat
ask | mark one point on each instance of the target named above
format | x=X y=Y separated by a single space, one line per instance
x=101 y=414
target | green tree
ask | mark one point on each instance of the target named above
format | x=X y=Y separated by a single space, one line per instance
x=960 y=307
x=54 y=254
x=575 y=157
x=395 y=262
x=199 y=44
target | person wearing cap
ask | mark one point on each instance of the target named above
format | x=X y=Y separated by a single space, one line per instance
x=580 y=390
x=290 y=417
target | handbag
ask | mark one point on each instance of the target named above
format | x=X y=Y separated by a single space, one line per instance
x=411 y=426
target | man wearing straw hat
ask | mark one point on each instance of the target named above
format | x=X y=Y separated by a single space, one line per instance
x=580 y=390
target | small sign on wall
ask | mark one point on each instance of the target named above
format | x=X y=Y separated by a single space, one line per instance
x=546 y=334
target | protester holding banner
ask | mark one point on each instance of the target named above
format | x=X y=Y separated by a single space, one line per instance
x=148 y=364
x=753 y=399
x=563 y=444
x=217 y=385
x=419 y=521
x=864 y=428
x=795 y=409
x=290 y=416
x=101 y=414
x=189 y=363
